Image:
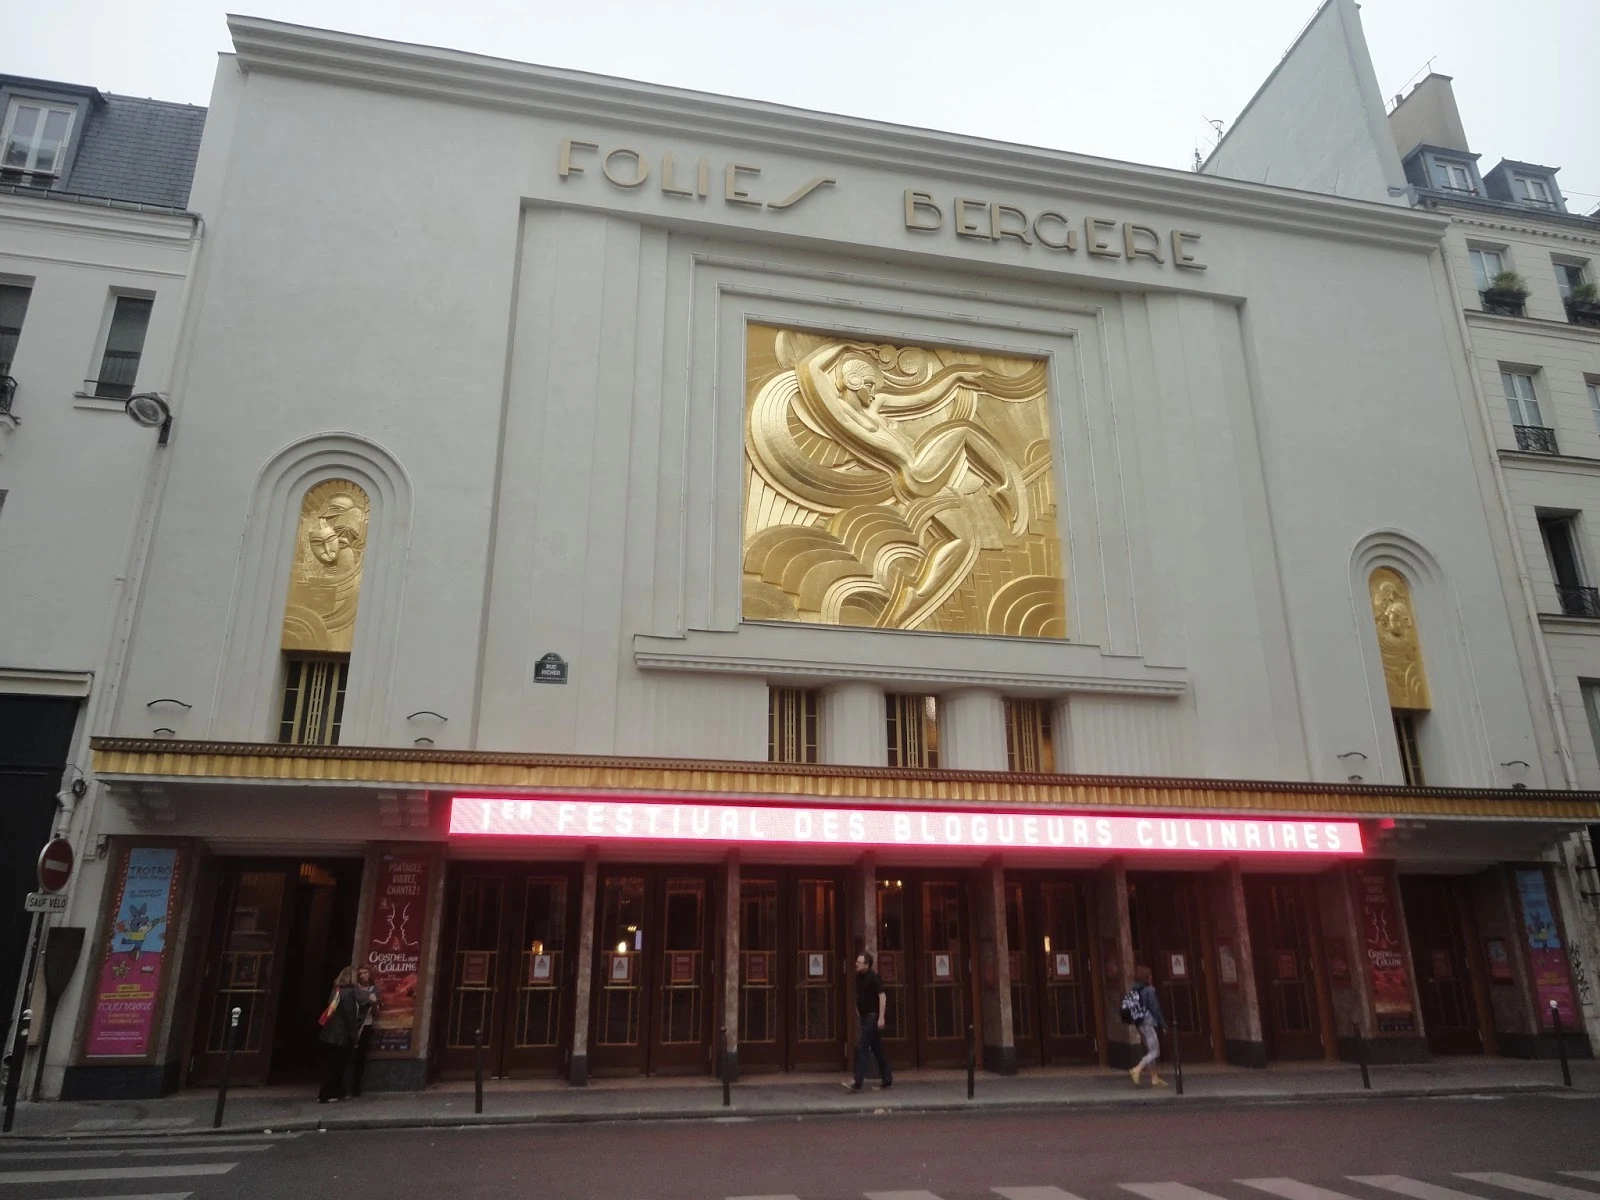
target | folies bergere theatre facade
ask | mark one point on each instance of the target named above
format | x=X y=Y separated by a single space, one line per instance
x=608 y=580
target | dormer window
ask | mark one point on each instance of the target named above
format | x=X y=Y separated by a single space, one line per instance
x=1530 y=189
x=1457 y=177
x=35 y=138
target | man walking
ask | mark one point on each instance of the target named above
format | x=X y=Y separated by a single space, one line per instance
x=872 y=1005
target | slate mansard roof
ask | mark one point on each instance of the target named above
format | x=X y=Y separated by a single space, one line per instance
x=121 y=148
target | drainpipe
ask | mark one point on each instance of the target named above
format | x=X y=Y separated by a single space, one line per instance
x=1541 y=652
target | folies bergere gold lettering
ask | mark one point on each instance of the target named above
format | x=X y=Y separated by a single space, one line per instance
x=1098 y=237
x=684 y=179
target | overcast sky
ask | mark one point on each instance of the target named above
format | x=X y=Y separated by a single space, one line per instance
x=1132 y=80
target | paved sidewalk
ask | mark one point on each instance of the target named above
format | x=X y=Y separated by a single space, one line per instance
x=535 y=1101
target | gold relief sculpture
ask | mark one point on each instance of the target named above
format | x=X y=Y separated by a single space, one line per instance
x=898 y=487
x=1398 y=641
x=325 y=581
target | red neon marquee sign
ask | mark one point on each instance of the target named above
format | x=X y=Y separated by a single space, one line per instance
x=660 y=821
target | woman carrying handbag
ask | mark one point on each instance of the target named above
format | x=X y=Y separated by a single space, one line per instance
x=341 y=1026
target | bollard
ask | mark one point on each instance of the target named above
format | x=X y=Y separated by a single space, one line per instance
x=1361 y=1055
x=972 y=1062
x=227 y=1066
x=1561 y=1045
x=477 y=1069
x=1172 y=1031
x=19 y=1050
x=722 y=1068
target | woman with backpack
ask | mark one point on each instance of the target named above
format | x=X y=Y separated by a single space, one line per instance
x=1142 y=1007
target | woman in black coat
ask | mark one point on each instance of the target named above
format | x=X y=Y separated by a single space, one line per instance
x=341 y=1026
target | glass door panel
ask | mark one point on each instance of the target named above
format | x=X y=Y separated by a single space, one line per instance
x=619 y=983
x=1280 y=939
x=818 y=1039
x=474 y=970
x=1068 y=1026
x=760 y=1015
x=243 y=972
x=894 y=965
x=1164 y=911
x=943 y=1011
x=1439 y=958
x=681 y=1027
x=1019 y=941
x=540 y=1017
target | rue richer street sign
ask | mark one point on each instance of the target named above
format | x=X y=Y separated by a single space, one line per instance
x=55 y=865
x=551 y=668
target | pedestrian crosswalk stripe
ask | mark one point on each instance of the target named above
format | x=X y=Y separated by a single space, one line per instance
x=194 y=1141
x=71 y=1153
x=783 y=1197
x=1594 y=1175
x=1167 y=1191
x=1530 y=1187
x=1033 y=1193
x=1414 y=1188
x=84 y=1174
x=1293 y=1189
x=900 y=1196
x=144 y=1196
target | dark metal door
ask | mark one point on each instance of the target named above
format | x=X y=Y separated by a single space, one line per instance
x=1281 y=915
x=1435 y=916
x=1166 y=913
x=818 y=974
x=244 y=970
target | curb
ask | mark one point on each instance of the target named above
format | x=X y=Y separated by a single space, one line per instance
x=792 y=1112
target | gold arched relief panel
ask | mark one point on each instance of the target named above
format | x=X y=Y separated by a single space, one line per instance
x=1398 y=643
x=325 y=580
x=899 y=487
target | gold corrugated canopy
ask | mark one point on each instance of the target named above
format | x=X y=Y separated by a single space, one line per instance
x=463 y=770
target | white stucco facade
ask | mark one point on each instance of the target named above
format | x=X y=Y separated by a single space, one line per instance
x=533 y=364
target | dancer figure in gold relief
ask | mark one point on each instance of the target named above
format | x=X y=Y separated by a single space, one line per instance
x=898 y=487
x=1398 y=642
x=325 y=581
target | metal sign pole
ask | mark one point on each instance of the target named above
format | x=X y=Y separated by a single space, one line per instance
x=19 y=1039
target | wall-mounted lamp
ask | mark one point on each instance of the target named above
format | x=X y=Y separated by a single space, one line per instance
x=424 y=742
x=168 y=700
x=1352 y=754
x=152 y=411
x=1517 y=785
x=164 y=731
x=427 y=712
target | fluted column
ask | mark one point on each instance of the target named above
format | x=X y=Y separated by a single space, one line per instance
x=854 y=727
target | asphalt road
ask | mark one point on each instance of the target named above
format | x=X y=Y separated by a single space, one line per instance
x=1522 y=1148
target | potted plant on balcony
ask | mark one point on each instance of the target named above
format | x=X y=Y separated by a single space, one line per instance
x=1583 y=305
x=1505 y=294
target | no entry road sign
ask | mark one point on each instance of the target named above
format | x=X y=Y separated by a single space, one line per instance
x=55 y=865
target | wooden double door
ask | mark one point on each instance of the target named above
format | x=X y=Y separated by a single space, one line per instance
x=281 y=930
x=654 y=967
x=1169 y=919
x=1053 y=972
x=1439 y=920
x=924 y=961
x=510 y=968
x=795 y=978
x=1295 y=1007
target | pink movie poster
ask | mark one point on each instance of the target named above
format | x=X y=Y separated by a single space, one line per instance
x=1548 y=960
x=124 y=1013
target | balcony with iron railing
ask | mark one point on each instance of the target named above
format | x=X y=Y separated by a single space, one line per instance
x=8 y=389
x=1536 y=439
x=118 y=370
x=1579 y=601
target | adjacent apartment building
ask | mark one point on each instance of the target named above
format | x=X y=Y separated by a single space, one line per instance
x=1517 y=274
x=96 y=249
x=607 y=584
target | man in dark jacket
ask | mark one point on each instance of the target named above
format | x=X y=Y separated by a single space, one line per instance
x=872 y=1005
x=341 y=1025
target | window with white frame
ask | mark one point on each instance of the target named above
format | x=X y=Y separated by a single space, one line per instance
x=35 y=137
x=1569 y=275
x=119 y=360
x=1530 y=189
x=1457 y=176
x=13 y=308
x=1591 y=707
x=1594 y=400
x=1486 y=264
x=1521 y=398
